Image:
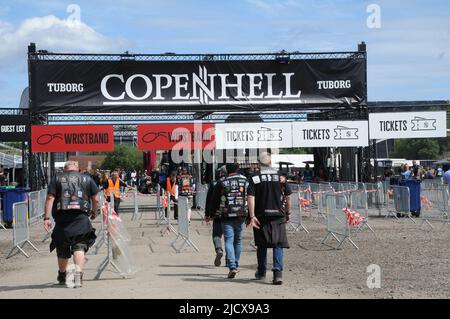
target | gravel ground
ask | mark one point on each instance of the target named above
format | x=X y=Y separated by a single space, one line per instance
x=414 y=263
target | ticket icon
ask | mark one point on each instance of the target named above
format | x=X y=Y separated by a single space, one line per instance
x=345 y=133
x=266 y=134
x=423 y=124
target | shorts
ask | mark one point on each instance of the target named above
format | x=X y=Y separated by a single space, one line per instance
x=66 y=251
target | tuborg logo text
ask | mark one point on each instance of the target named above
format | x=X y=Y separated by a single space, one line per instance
x=201 y=88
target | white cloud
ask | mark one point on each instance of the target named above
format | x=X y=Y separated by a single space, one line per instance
x=273 y=5
x=52 y=34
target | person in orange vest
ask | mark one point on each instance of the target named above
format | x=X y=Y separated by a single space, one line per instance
x=171 y=187
x=112 y=185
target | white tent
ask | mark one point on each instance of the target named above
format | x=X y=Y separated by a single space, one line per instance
x=296 y=159
x=10 y=161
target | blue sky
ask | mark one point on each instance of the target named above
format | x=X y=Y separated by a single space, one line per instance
x=408 y=56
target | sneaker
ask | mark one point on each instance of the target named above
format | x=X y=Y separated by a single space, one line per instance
x=78 y=279
x=232 y=273
x=277 y=277
x=218 y=260
x=70 y=278
x=61 y=278
x=260 y=275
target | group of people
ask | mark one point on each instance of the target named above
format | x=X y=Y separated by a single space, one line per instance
x=262 y=202
x=417 y=172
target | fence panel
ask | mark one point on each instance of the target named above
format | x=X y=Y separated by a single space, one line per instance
x=296 y=211
x=21 y=230
x=337 y=225
x=183 y=226
x=35 y=210
x=435 y=204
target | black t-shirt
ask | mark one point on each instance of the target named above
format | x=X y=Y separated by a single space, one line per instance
x=269 y=192
x=54 y=188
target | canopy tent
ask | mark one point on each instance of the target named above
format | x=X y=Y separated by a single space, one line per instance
x=10 y=161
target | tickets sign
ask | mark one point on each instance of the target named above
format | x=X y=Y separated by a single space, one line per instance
x=330 y=134
x=253 y=135
x=72 y=138
x=408 y=125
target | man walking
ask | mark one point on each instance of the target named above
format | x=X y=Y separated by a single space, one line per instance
x=269 y=206
x=217 y=232
x=230 y=200
x=71 y=198
x=113 y=185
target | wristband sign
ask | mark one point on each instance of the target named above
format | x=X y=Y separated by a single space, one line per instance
x=175 y=136
x=408 y=125
x=72 y=138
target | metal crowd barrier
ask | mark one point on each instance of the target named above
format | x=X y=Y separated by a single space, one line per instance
x=435 y=205
x=398 y=202
x=318 y=207
x=183 y=227
x=167 y=224
x=430 y=183
x=296 y=222
x=36 y=205
x=101 y=237
x=21 y=228
x=159 y=209
x=337 y=224
x=109 y=257
x=358 y=203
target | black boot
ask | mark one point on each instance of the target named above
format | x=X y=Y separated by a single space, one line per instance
x=260 y=275
x=218 y=260
x=277 y=277
x=61 y=278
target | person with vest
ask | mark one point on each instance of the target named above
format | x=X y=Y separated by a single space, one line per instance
x=269 y=206
x=186 y=187
x=230 y=200
x=71 y=198
x=171 y=187
x=113 y=185
x=217 y=232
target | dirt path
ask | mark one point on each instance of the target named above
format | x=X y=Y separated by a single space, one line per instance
x=413 y=263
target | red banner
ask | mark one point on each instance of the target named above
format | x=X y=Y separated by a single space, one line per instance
x=72 y=138
x=175 y=136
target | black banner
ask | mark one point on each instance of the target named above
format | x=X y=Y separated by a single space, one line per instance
x=103 y=86
x=14 y=128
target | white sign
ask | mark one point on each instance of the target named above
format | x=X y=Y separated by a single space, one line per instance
x=408 y=125
x=330 y=134
x=253 y=135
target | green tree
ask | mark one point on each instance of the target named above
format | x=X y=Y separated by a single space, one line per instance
x=124 y=156
x=417 y=149
x=295 y=150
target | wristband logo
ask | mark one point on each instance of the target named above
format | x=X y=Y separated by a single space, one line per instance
x=45 y=139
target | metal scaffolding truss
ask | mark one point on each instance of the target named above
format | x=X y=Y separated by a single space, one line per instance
x=13 y=111
x=43 y=55
x=135 y=118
